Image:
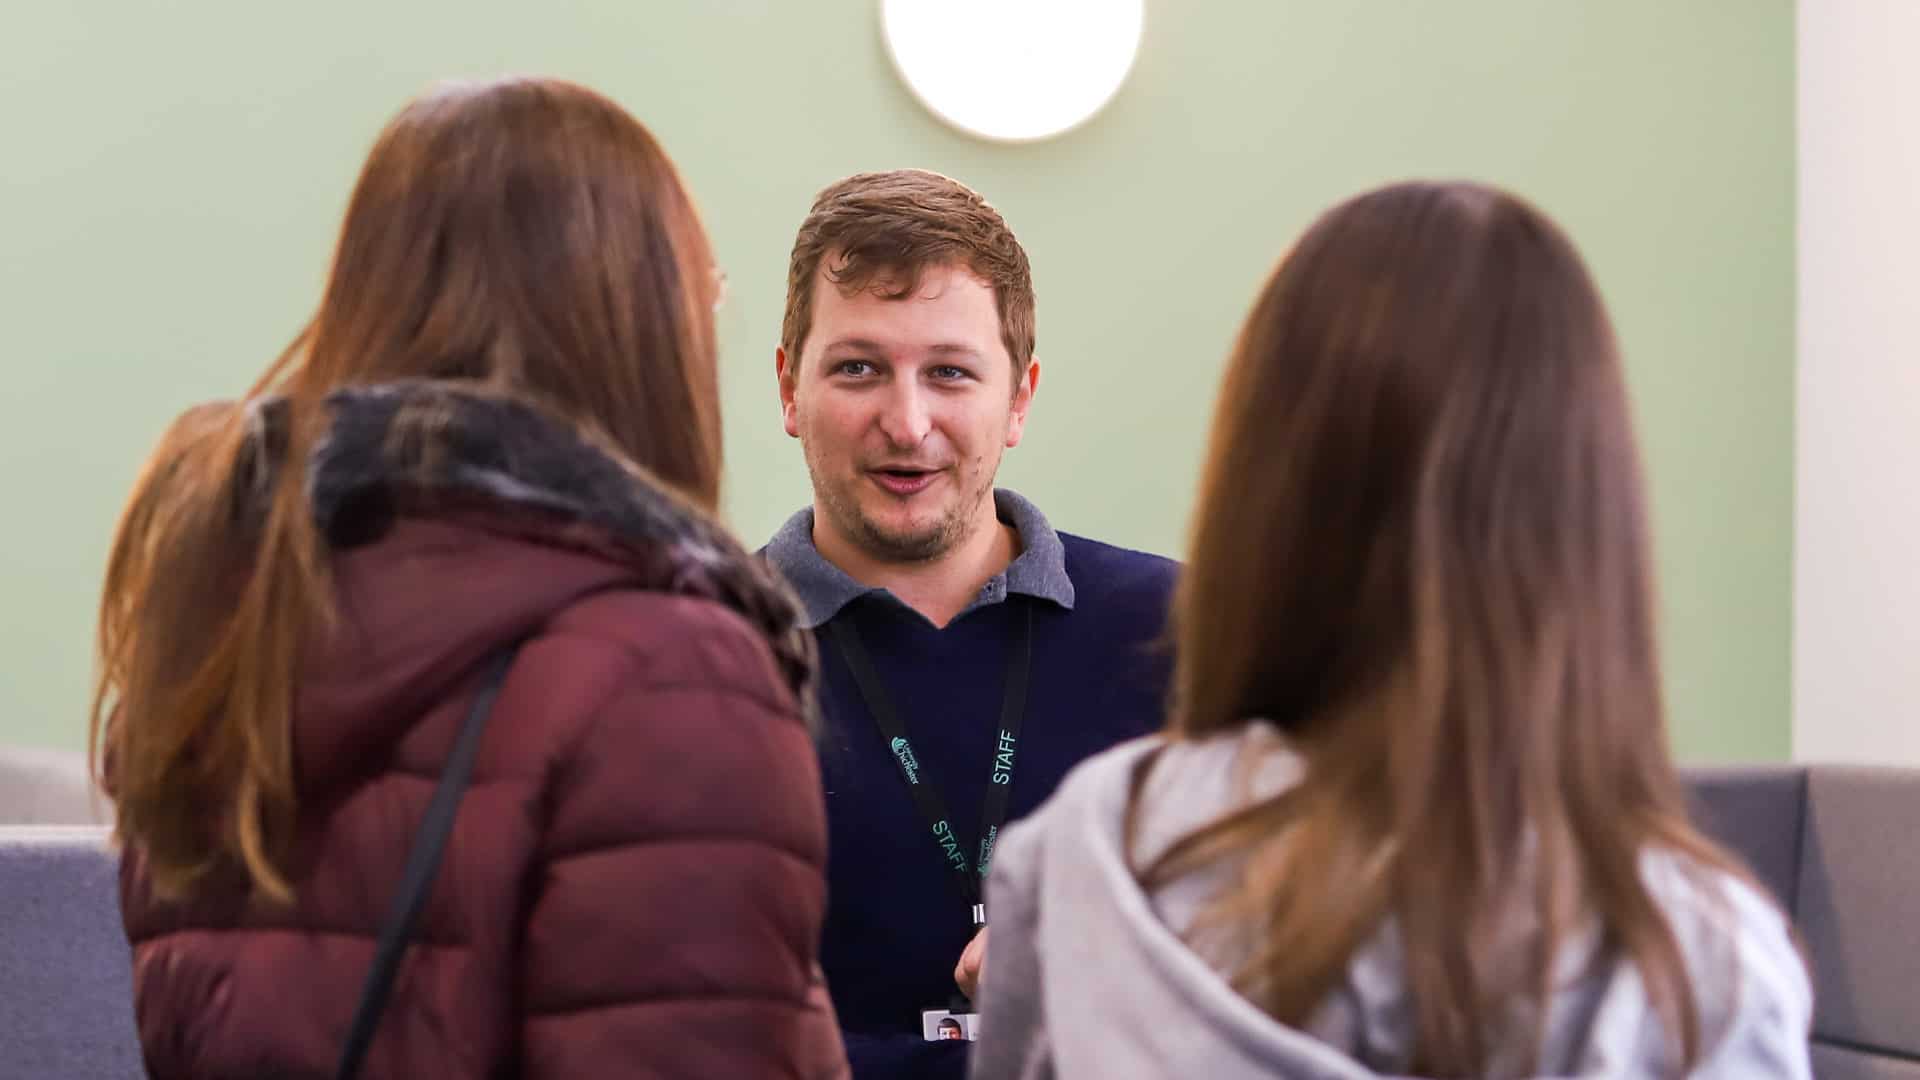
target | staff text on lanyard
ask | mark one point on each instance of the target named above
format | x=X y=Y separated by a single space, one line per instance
x=1006 y=745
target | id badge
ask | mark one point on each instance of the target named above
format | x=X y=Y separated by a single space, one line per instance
x=937 y=1025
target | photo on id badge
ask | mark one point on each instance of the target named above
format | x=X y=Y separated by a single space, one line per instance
x=939 y=1024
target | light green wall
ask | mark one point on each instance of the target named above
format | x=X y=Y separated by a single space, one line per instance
x=171 y=176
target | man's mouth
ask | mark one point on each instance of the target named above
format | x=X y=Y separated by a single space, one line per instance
x=904 y=480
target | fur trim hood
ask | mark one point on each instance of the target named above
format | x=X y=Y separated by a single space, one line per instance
x=436 y=448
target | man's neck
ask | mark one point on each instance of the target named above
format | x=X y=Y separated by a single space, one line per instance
x=939 y=588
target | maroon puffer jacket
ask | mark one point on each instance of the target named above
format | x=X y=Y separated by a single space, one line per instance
x=634 y=885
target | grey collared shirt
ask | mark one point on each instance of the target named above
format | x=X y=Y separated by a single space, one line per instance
x=1039 y=571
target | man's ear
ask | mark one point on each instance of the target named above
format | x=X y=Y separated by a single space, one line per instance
x=1023 y=391
x=786 y=372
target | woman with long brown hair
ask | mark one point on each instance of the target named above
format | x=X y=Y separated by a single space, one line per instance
x=481 y=483
x=1414 y=811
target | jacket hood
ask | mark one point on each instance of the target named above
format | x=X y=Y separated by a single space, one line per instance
x=1125 y=993
x=460 y=522
x=1142 y=999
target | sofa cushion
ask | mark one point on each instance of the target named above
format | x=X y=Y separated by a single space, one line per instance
x=66 y=984
x=1860 y=906
x=1756 y=812
x=1842 y=1063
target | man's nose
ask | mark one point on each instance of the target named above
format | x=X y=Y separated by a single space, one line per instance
x=905 y=418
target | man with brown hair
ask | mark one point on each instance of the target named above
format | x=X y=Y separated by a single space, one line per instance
x=971 y=654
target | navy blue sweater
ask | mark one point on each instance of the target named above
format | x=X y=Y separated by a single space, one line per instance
x=896 y=924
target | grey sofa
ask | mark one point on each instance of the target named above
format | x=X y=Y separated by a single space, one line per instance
x=66 y=995
x=1839 y=847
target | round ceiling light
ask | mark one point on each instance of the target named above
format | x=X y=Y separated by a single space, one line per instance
x=1013 y=70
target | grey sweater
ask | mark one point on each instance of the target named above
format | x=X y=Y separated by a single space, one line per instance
x=1088 y=976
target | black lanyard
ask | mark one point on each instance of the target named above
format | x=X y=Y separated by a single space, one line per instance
x=1013 y=709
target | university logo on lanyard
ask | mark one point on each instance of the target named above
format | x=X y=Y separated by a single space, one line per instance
x=1006 y=746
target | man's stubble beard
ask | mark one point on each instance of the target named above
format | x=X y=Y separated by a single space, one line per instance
x=922 y=545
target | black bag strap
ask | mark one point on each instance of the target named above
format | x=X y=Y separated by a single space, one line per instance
x=422 y=862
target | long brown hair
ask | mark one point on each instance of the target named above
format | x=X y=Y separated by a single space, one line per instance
x=525 y=235
x=1421 y=550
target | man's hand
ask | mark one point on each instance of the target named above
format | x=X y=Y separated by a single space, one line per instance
x=973 y=966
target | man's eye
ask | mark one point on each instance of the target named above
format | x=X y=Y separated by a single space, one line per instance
x=854 y=367
x=950 y=374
